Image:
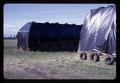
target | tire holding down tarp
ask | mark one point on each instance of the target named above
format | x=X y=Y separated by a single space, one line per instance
x=94 y=57
x=83 y=56
x=109 y=60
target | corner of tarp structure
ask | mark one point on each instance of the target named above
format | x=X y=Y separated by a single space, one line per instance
x=99 y=31
x=23 y=36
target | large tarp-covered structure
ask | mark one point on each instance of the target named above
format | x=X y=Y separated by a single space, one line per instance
x=49 y=37
x=98 y=32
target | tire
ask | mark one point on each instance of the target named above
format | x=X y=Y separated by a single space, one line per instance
x=109 y=60
x=83 y=56
x=94 y=57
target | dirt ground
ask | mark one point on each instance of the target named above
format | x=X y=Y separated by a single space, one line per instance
x=51 y=65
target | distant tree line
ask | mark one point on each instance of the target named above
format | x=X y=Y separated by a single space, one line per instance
x=11 y=37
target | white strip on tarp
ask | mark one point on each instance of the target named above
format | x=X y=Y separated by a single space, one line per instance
x=99 y=30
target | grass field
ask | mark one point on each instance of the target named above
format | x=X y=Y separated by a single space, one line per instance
x=51 y=65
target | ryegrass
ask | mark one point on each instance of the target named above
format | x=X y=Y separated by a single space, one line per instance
x=51 y=65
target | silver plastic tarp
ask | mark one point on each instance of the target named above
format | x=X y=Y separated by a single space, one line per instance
x=99 y=31
x=23 y=35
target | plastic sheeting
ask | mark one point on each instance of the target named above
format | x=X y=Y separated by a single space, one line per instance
x=99 y=31
x=23 y=35
x=26 y=27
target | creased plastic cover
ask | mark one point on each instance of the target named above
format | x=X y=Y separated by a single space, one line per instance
x=99 y=31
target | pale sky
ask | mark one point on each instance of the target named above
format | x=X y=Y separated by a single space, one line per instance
x=17 y=15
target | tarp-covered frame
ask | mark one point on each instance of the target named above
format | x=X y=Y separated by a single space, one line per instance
x=99 y=31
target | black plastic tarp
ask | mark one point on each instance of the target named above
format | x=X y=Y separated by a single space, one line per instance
x=49 y=36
